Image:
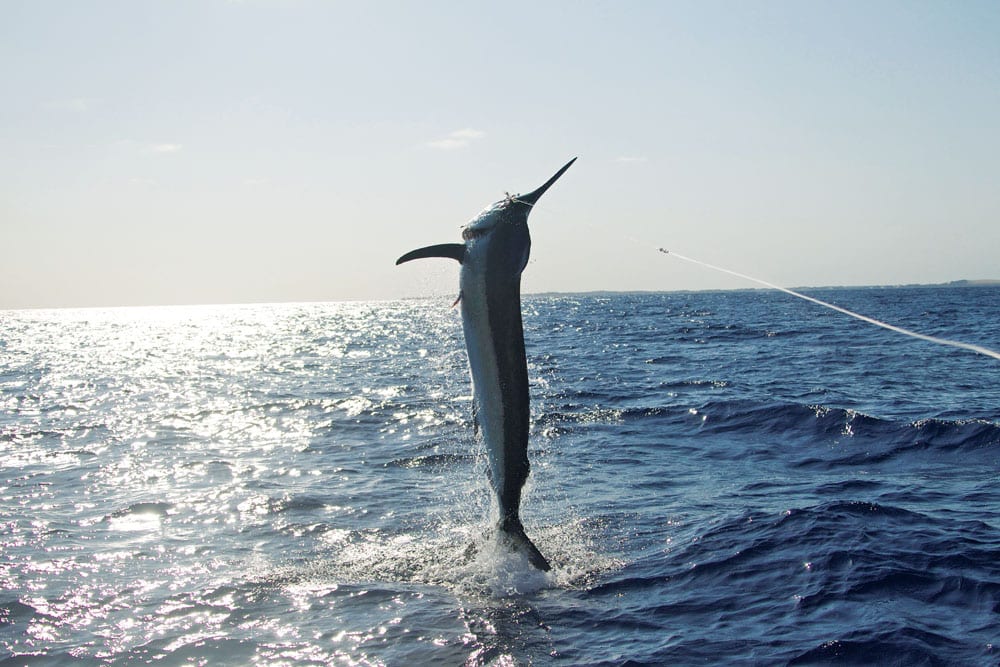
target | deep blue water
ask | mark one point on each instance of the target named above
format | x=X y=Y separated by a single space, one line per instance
x=718 y=478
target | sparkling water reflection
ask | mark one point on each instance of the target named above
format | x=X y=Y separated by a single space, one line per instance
x=297 y=484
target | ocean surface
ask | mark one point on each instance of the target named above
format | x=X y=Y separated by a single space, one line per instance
x=736 y=478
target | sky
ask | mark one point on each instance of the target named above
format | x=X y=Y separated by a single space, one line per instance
x=185 y=152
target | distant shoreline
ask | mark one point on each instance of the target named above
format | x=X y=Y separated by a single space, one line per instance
x=953 y=283
x=970 y=283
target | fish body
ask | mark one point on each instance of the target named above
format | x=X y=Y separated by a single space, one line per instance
x=495 y=251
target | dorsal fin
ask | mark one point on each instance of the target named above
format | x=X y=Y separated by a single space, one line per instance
x=455 y=251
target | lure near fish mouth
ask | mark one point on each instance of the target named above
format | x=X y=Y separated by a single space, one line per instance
x=494 y=254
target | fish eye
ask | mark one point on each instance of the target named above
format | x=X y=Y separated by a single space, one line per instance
x=472 y=233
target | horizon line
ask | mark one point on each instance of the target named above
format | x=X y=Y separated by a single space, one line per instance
x=984 y=282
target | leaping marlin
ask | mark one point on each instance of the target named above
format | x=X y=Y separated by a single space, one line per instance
x=493 y=256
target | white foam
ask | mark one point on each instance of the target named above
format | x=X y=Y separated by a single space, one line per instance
x=463 y=559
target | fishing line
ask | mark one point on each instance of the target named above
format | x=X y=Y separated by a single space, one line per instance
x=864 y=318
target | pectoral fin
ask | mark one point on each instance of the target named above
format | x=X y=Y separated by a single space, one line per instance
x=454 y=251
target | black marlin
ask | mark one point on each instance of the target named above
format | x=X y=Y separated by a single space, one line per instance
x=493 y=256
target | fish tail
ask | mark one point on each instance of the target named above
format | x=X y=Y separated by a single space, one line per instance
x=512 y=533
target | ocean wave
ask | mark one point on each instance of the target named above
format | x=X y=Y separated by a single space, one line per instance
x=821 y=569
x=884 y=439
x=857 y=438
x=430 y=461
x=884 y=644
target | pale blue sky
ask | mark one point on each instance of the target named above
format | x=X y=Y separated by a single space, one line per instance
x=207 y=152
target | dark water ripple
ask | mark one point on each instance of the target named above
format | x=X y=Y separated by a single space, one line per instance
x=719 y=478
